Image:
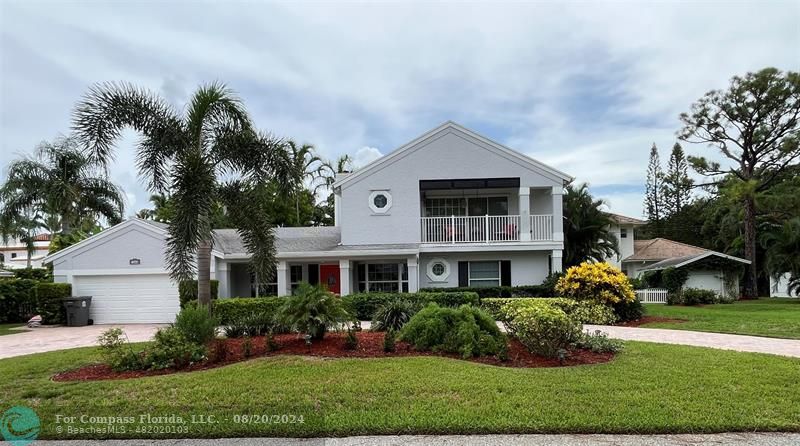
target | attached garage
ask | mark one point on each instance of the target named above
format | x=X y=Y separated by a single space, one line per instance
x=123 y=269
x=129 y=298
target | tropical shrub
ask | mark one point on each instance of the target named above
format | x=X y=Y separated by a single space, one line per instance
x=393 y=315
x=239 y=308
x=187 y=291
x=171 y=349
x=49 y=301
x=313 y=310
x=600 y=282
x=38 y=274
x=247 y=347
x=364 y=305
x=628 y=310
x=673 y=279
x=196 y=324
x=466 y=330
x=585 y=312
x=695 y=296
x=389 y=341
x=351 y=340
x=17 y=299
x=599 y=342
x=543 y=329
x=117 y=351
x=542 y=290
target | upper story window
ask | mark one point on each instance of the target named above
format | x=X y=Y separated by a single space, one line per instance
x=623 y=233
x=472 y=206
x=380 y=201
x=13 y=255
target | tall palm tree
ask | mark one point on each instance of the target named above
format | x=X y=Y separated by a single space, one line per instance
x=187 y=155
x=307 y=166
x=586 y=228
x=60 y=181
x=20 y=228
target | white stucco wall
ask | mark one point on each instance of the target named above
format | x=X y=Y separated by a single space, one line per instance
x=625 y=245
x=527 y=267
x=445 y=155
x=115 y=251
x=711 y=280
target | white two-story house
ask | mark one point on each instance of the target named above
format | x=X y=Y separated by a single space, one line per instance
x=449 y=208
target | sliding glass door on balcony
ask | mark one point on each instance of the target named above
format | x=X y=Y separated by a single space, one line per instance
x=470 y=206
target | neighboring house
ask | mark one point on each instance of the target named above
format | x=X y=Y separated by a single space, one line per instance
x=14 y=254
x=450 y=208
x=624 y=229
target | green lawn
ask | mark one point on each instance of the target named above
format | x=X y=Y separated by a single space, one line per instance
x=649 y=388
x=778 y=318
x=5 y=329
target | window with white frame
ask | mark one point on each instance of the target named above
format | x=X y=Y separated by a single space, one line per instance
x=472 y=206
x=295 y=276
x=438 y=270
x=380 y=201
x=445 y=207
x=484 y=274
x=382 y=277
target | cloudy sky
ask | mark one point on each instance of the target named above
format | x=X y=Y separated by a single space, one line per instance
x=586 y=87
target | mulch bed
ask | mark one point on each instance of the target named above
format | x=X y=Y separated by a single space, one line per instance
x=648 y=320
x=370 y=345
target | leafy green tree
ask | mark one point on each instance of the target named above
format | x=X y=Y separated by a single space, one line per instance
x=586 y=228
x=654 y=192
x=62 y=184
x=677 y=184
x=782 y=245
x=754 y=124
x=187 y=154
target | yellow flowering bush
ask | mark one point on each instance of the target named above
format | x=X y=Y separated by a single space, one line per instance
x=595 y=281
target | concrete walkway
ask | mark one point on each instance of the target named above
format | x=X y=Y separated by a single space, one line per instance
x=740 y=343
x=47 y=339
x=736 y=439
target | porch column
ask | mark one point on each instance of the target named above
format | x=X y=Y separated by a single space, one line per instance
x=555 y=261
x=224 y=278
x=344 y=277
x=558 y=214
x=525 y=213
x=413 y=274
x=284 y=285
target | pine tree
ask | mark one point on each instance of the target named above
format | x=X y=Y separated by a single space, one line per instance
x=676 y=183
x=654 y=192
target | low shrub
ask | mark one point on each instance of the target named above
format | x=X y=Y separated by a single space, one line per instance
x=543 y=290
x=364 y=305
x=393 y=315
x=543 y=329
x=599 y=282
x=313 y=310
x=17 y=299
x=389 y=341
x=117 y=351
x=585 y=312
x=350 y=340
x=187 y=291
x=196 y=324
x=49 y=301
x=696 y=296
x=239 y=308
x=628 y=310
x=171 y=349
x=599 y=342
x=466 y=330
x=674 y=299
x=247 y=347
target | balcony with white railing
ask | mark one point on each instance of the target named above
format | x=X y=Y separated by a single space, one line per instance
x=485 y=229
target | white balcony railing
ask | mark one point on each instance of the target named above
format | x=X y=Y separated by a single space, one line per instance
x=485 y=229
x=541 y=227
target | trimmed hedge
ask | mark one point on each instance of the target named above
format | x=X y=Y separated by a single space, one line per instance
x=17 y=300
x=585 y=312
x=236 y=309
x=364 y=305
x=49 y=303
x=498 y=291
x=39 y=274
x=187 y=291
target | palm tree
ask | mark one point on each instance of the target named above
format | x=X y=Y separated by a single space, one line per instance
x=586 y=228
x=306 y=166
x=62 y=182
x=21 y=229
x=187 y=155
x=782 y=244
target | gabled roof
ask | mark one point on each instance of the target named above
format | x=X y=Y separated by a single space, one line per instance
x=625 y=220
x=452 y=126
x=677 y=262
x=158 y=228
x=658 y=249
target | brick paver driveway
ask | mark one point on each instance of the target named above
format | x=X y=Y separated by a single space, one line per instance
x=48 y=339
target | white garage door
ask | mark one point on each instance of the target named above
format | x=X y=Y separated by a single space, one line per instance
x=129 y=298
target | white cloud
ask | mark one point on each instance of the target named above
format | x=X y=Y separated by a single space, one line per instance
x=366 y=155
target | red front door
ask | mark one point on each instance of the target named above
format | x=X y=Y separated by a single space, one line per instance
x=329 y=277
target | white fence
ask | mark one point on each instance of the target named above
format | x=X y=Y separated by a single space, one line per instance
x=652 y=295
x=484 y=229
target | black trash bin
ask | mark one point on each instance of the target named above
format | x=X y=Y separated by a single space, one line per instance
x=77 y=310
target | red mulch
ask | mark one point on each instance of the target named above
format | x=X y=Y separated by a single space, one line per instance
x=647 y=320
x=370 y=345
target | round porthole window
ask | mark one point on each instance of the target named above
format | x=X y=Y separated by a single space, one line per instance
x=438 y=270
x=380 y=201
